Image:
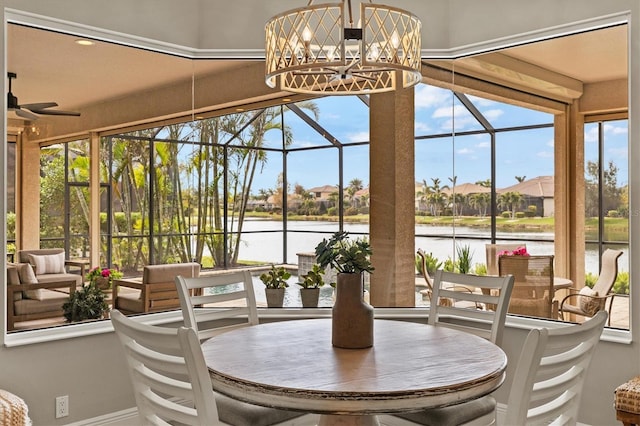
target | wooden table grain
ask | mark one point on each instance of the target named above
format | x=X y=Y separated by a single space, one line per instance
x=292 y=365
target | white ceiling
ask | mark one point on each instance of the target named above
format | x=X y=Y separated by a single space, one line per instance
x=52 y=67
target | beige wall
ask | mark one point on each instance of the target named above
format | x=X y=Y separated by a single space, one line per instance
x=89 y=369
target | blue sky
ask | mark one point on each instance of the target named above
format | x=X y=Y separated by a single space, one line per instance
x=523 y=153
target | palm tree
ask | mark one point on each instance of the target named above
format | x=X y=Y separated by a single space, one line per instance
x=481 y=202
x=520 y=179
x=354 y=186
x=436 y=198
x=510 y=201
x=423 y=195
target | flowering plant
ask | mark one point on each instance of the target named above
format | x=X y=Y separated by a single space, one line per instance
x=107 y=274
x=520 y=251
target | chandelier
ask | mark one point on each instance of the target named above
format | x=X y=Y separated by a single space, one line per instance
x=315 y=50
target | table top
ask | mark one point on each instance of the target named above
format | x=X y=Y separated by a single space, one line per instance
x=292 y=364
x=560 y=283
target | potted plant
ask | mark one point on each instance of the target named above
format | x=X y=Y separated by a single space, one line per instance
x=103 y=277
x=311 y=283
x=85 y=304
x=275 y=281
x=352 y=325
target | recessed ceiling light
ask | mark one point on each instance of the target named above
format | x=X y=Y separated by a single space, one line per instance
x=239 y=109
x=286 y=100
x=84 y=42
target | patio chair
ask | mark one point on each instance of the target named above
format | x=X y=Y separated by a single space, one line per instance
x=550 y=374
x=215 y=303
x=493 y=250
x=155 y=292
x=171 y=382
x=533 y=287
x=588 y=301
x=489 y=324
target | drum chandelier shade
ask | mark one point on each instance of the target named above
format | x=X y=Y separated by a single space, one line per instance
x=315 y=50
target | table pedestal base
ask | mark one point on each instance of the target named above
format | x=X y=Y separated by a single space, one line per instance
x=333 y=420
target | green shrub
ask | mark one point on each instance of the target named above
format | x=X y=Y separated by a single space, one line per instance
x=350 y=211
x=433 y=263
x=332 y=211
x=621 y=286
x=480 y=269
x=464 y=258
x=520 y=215
x=449 y=265
x=590 y=279
x=506 y=214
x=613 y=213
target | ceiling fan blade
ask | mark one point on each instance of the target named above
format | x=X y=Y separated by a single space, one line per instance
x=39 y=105
x=56 y=112
x=26 y=114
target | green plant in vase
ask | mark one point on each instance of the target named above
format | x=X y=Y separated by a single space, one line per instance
x=310 y=286
x=352 y=325
x=275 y=281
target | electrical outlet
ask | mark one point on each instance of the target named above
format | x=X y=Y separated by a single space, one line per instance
x=62 y=406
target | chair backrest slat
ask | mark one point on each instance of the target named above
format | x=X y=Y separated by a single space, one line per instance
x=208 y=299
x=463 y=294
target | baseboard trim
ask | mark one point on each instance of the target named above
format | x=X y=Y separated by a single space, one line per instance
x=123 y=417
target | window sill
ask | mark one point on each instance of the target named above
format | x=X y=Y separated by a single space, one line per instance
x=272 y=314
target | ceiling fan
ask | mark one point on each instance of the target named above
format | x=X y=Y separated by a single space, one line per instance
x=31 y=111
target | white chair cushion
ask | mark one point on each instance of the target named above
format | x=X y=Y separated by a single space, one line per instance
x=48 y=263
x=27 y=276
x=587 y=304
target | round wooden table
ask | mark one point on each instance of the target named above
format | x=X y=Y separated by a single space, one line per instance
x=292 y=365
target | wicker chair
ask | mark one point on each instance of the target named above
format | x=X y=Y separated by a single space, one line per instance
x=533 y=289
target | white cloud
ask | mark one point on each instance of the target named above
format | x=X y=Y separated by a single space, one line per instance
x=483 y=145
x=591 y=135
x=616 y=130
x=430 y=97
x=481 y=101
x=358 y=137
x=492 y=114
x=551 y=143
x=545 y=154
x=421 y=126
x=464 y=151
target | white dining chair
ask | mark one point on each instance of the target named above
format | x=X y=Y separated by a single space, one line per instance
x=215 y=303
x=171 y=382
x=550 y=374
x=493 y=293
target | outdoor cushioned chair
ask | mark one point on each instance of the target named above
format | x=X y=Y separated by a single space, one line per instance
x=28 y=299
x=155 y=292
x=51 y=266
x=588 y=301
x=171 y=382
